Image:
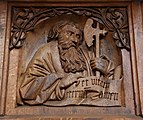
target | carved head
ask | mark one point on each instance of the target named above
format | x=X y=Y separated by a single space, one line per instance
x=69 y=37
x=67 y=34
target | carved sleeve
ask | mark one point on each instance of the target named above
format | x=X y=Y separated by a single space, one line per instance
x=41 y=82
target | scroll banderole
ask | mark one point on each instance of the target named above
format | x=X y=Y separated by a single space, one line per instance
x=98 y=32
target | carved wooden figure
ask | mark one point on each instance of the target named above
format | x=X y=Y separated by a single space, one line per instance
x=68 y=69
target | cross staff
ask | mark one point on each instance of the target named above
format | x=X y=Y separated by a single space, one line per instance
x=89 y=32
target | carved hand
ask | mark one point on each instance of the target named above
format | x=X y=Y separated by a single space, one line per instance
x=99 y=64
x=69 y=80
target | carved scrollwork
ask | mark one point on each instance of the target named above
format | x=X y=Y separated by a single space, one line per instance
x=116 y=21
x=25 y=19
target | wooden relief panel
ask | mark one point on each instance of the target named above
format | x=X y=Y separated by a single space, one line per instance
x=71 y=56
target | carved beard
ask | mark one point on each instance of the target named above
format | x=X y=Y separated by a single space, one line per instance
x=71 y=57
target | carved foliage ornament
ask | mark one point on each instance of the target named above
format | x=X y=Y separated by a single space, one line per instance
x=25 y=19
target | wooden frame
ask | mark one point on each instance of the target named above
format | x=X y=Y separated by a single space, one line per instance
x=131 y=67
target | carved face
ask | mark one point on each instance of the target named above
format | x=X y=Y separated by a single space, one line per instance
x=70 y=55
x=71 y=36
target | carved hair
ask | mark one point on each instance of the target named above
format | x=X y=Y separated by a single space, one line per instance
x=55 y=30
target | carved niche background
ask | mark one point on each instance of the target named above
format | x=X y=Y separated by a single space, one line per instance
x=31 y=26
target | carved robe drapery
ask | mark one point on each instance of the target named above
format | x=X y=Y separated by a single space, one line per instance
x=40 y=83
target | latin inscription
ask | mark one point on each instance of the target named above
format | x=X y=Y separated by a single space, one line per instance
x=99 y=88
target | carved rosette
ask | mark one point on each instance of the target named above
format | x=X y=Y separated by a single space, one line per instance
x=25 y=19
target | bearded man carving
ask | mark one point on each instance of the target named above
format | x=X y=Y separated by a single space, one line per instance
x=59 y=64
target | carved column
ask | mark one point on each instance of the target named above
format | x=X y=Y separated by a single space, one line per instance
x=138 y=43
x=3 y=15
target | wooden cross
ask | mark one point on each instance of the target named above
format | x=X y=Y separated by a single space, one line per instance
x=89 y=32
